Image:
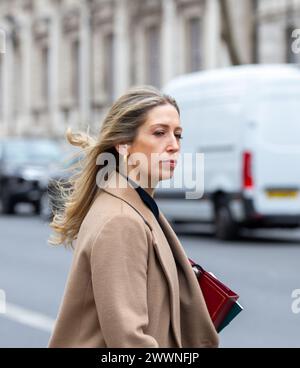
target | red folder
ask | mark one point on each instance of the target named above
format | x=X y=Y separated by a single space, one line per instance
x=218 y=297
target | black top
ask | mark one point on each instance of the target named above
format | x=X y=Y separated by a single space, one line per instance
x=146 y=197
x=148 y=200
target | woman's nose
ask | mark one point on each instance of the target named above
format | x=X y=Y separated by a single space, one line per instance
x=173 y=144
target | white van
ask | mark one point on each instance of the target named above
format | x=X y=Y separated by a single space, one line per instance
x=246 y=122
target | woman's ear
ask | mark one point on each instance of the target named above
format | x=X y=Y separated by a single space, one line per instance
x=122 y=149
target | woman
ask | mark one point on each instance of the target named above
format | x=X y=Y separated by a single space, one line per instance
x=130 y=282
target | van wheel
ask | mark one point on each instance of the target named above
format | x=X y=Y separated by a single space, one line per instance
x=226 y=227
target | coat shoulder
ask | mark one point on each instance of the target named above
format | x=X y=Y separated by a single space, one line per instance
x=108 y=210
x=107 y=206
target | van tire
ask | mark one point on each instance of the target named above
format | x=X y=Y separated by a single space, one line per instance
x=226 y=227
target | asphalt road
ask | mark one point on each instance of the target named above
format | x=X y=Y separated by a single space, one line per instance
x=264 y=268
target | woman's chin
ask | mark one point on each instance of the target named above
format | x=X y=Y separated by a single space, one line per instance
x=165 y=175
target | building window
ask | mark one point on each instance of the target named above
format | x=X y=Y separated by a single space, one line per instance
x=45 y=74
x=152 y=38
x=108 y=75
x=193 y=42
x=75 y=71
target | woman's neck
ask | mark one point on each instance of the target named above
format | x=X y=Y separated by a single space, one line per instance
x=149 y=190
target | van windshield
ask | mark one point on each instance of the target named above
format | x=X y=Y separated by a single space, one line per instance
x=280 y=120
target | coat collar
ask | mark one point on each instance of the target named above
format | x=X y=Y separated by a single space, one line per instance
x=118 y=186
x=146 y=197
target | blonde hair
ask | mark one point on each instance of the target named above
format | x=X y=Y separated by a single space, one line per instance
x=120 y=126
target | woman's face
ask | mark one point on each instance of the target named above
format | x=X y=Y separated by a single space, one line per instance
x=158 y=140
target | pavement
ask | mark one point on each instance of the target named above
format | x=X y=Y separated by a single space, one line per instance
x=262 y=266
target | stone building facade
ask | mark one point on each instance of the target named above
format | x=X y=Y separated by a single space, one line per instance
x=276 y=20
x=65 y=61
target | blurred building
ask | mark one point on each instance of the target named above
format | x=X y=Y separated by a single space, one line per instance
x=276 y=20
x=65 y=61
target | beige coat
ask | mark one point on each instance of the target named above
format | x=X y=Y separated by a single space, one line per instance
x=130 y=282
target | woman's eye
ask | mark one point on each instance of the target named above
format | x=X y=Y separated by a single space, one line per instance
x=178 y=136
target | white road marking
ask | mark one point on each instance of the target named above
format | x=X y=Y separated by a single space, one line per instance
x=29 y=318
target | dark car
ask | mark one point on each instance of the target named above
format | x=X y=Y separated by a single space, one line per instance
x=24 y=165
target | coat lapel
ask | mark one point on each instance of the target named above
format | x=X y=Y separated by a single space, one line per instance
x=196 y=324
x=127 y=193
x=168 y=265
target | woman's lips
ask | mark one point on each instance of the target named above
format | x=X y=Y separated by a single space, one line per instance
x=171 y=163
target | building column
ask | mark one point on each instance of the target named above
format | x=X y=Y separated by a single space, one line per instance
x=181 y=43
x=26 y=55
x=139 y=62
x=212 y=34
x=169 y=41
x=8 y=63
x=2 y=55
x=85 y=66
x=55 y=34
x=121 y=48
